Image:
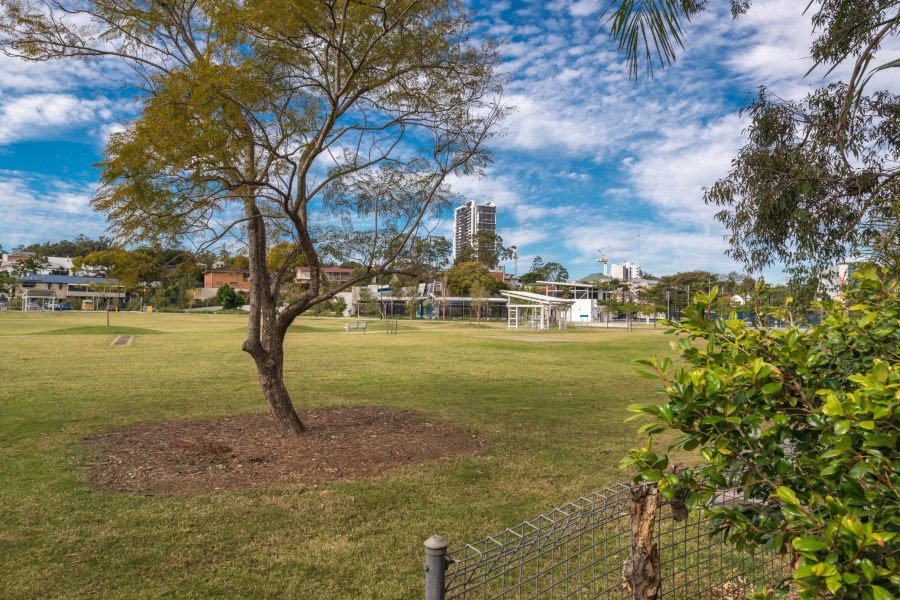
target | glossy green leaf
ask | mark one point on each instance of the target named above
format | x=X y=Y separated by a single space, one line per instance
x=786 y=494
x=808 y=544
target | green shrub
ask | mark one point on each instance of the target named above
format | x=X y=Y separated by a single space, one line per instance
x=229 y=299
x=804 y=423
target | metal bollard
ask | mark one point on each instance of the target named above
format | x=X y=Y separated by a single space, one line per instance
x=435 y=566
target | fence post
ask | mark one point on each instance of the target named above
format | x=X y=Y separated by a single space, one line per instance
x=435 y=566
x=641 y=575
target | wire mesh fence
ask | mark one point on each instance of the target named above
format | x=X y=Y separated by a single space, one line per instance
x=579 y=550
x=696 y=564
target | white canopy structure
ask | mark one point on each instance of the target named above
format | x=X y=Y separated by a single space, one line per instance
x=30 y=297
x=536 y=311
x=588 y=298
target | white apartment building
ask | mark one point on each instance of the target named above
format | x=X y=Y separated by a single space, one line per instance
x=625 y=271
x=469 y=219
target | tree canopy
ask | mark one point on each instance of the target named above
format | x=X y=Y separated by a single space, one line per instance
x=80 y=245
x=130 y=268
x=465 y=278
x=541 y=271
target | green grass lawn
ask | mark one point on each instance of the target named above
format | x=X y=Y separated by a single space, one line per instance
x=553 y=413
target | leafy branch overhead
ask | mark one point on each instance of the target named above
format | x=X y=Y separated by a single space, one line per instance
x=818 y=179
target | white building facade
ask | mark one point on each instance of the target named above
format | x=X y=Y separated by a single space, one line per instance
x=469 y=219
x=53 y=265
x=625 y=271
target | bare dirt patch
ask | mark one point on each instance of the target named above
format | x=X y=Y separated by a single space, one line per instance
x=184 y=458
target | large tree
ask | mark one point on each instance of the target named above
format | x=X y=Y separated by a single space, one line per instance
x=318 y=122
x=130 y=267
x=463 y=278
x=685 y=282
x=7 y=284
x=486 y=247
x=541 y=271
x=819 y=179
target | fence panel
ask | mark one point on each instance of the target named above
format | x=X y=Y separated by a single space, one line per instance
x=695 y=564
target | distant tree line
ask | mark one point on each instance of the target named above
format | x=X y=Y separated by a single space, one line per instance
x=165 y=276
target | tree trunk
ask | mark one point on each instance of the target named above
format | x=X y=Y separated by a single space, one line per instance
x=271 y=378
x=265 y=335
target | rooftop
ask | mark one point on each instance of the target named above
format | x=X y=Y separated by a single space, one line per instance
x=69 y=279
x=536 y=298
x=328 y=269
x=572 y=284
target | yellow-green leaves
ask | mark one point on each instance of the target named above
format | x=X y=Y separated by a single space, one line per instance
x=787 y=495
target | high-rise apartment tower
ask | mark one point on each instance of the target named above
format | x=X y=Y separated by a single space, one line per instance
x=625 y=271
x=469 y=219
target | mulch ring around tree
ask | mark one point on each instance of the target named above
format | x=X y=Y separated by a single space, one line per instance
x=185 y=458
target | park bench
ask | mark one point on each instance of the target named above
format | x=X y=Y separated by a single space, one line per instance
x=357 y=326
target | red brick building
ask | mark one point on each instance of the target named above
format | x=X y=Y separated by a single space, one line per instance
x=238 y=279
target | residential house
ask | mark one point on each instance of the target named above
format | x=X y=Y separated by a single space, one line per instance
x=332 y=274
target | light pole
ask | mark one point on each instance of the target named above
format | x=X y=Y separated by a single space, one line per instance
x=668 y=306
x=515 y=251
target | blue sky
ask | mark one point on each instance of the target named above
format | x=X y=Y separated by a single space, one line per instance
x=589 y=159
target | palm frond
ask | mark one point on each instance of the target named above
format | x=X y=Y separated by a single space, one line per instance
x=646 y=31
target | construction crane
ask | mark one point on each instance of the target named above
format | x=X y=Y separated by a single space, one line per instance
x=609 y=252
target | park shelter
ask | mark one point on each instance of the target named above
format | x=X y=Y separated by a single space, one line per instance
x=536 y=311
x=587 y=296
x=466 y=306
x=39 y=298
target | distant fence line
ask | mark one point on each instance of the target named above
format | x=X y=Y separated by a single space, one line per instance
x=621 y=542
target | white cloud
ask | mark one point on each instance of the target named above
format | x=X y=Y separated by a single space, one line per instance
x=499 y=189
x=773 y=45
x=21 y=77
x=660 y=250
x=567 y=75
x=541 y=125
x=39 y=208
x=522 y=238
x=38 y=116
x=575 y=175
x=671 y=173
x=584 y=8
